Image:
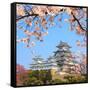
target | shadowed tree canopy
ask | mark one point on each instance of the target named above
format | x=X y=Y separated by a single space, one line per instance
x=37 y=20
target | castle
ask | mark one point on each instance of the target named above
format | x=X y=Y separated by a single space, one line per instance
x=59 y=64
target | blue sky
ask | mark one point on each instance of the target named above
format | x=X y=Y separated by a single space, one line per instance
x=48 y=46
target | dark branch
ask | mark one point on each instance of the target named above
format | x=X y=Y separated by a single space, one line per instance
x=78 y=22
x=26 y=16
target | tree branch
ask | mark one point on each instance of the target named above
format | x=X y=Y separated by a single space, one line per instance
x=26 y=16
x=78 y=22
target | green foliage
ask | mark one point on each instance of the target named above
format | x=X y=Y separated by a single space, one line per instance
x=34 y=74
x=38 y=78
x=76 y=78
x=56 y=81
x=32 y=81
x=43 y=77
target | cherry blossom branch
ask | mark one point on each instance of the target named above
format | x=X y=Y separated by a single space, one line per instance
x=26 y=16
x=78 y=22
